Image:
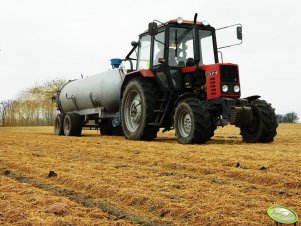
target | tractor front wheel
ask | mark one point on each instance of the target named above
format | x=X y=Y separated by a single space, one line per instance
x=263 y=125
x=192 y=122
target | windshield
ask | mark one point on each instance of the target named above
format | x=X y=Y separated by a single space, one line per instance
x=181 y=47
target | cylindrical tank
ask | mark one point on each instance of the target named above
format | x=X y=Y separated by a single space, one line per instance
x=100 y=90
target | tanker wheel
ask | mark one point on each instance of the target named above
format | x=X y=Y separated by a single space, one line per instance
x=72 y=124
x=59 y=124
x=107 y=129
x=192 y=122
x=263 y=126
x=137 y=109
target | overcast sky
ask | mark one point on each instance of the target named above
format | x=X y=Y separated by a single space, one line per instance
x=41 y=40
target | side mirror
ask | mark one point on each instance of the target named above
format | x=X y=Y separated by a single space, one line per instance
x=153 y=28
x=239 y=33
x=134 y=43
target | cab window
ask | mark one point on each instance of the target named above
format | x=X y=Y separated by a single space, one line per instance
x=180 y=46
x=158 y=47
x=206 y=45
x=144 y=52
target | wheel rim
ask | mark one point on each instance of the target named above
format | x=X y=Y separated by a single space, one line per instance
x=133 y=111
x=67 y=125
x=57 y=126
x=185 y=124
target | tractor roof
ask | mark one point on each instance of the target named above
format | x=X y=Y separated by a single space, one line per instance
x=174 y=21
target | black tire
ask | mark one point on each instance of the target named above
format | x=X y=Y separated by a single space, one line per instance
x=59 y=124
x=138 y=102
x=193 y=122
x=72 y=124
x=107 y=129
x=263 y=126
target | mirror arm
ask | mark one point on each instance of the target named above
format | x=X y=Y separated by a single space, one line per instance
x=230 y=45
x=221 y=28
x=130 y=53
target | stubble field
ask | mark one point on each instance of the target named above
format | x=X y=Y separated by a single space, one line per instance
x=114 y=181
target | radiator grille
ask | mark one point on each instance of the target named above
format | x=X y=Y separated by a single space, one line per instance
x=229 y=73
x=212 y=86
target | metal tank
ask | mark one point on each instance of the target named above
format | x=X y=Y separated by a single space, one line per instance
x=99 y=90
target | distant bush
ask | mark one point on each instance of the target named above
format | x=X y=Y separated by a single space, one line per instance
x=290 y=117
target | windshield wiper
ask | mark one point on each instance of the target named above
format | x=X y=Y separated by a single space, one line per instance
x=184 y=34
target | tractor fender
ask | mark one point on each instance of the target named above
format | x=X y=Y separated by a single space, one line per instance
x=142 y=72
x=180 y=98
x=146 y=73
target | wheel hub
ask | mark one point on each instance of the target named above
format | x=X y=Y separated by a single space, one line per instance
x=187 y=123
x=135 y=110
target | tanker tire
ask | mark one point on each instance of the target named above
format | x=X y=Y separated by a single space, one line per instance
x=192 y=122
x=138 y=102
x=107 y=129
x=72 y=124
x=59 y=125
x=263 y=127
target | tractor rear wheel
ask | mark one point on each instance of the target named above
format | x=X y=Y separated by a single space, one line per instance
x=59 y=124
x=192 y=122
x=263 y=126
x=72 y=124
x=138 y=102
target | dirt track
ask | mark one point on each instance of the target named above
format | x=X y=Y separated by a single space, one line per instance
x=113 y=181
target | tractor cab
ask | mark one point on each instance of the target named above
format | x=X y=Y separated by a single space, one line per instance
x=178 y=43
x=183 y=57
x=183 y=44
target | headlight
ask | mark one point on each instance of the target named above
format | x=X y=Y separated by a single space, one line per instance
x=224 y=88
x=236 y=89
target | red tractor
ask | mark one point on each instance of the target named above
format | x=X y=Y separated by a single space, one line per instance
x=179 y=83
x=175 y=81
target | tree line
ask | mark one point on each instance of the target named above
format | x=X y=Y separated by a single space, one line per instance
x=290 y=117
x=32 y=107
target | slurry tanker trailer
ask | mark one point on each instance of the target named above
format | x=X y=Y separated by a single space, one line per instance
x=174 y=80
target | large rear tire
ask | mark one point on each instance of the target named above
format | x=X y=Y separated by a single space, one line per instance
x=138 y=102
x=59 y=124
x=72 y=124
x=192 y=122
x=263 y=126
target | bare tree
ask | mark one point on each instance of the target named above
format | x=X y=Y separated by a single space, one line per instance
x=32 y=107
x=5 y=111
x=290 y=117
